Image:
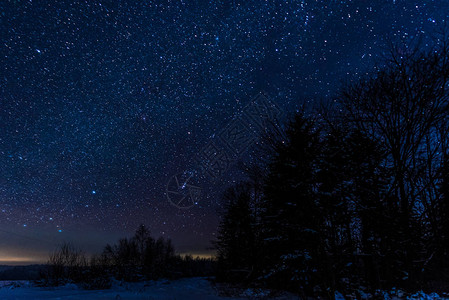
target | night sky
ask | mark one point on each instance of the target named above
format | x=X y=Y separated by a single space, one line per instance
x=102 y=102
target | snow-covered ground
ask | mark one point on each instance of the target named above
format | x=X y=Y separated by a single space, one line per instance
x=393 y=295
x=183 y=289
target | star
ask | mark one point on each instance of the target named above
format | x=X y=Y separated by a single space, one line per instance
x=108 y=104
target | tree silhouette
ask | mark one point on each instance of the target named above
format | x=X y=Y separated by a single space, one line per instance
x=236 y=240
x=293 y=220
x=405 y=107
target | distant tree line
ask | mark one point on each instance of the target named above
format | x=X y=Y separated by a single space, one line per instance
x=30 y=272
x=138 y=258
x=354 y=194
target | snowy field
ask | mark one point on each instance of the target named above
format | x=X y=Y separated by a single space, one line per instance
x=183 y=289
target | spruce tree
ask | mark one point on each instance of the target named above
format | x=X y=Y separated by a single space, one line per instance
x=236 y=240
x=293 y=218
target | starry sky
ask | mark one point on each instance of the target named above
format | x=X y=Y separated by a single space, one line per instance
x=102 y=102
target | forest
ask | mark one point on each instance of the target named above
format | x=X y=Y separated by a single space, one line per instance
x=352 y=194
x=351 y=197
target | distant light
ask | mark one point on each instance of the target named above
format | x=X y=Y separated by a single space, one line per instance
x=94 y=192
x=59 y=230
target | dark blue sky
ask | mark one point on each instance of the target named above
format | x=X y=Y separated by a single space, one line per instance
x=101 y=102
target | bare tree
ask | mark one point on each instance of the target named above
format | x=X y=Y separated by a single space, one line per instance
x=405 y=106
x=66 y=264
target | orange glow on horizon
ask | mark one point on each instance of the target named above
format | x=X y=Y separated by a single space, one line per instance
x=200 y=255
x=18 y=261
x=14 y=259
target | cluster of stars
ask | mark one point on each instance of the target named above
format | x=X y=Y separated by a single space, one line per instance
x=102 y=102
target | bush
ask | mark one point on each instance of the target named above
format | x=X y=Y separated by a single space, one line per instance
x=66 y=265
